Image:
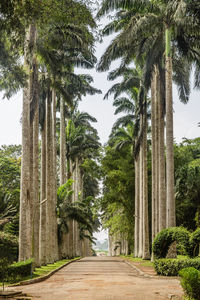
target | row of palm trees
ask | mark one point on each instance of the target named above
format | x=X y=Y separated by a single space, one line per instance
x=161 y=38
x=54 y=38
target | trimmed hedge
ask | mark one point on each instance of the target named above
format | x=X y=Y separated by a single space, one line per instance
x=8 y=246
x=171 y=267
x=166 y=237
x=194 y=243
x=190 y=281
x=20 y=269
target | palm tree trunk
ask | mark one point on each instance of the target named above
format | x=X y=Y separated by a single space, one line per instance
x=153 y=152
x=171 y=221
x=43 y=204
x=161 y=153
x=62 y=143
x=49 y=161
x=140 y=252
x=137 y=207
x=157 y=156
x=25 y=221
x=36 y=212
x=146 y=253
x=54 y=174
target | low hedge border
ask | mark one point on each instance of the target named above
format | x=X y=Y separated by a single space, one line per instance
x=171 y=267
x=190 y=281
x=15 y=270
x=42 y=278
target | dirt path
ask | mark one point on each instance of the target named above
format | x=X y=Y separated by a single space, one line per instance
x=102 y=278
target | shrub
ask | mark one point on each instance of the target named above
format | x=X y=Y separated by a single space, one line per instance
x=194 y=243
x=190 y=281
x=171 y=267
x=166 y=237
x=16 y=270
x=8 y=246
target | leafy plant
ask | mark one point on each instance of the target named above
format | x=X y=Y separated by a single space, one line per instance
x=190 y=281
x=166 y=237
x=171 y=267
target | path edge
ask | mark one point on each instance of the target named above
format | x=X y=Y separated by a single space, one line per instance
x=42 y=278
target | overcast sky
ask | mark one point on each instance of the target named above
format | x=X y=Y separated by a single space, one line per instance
x=186 y=117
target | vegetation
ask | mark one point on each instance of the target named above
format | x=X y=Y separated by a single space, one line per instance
x=190 y=281
x=171 y=267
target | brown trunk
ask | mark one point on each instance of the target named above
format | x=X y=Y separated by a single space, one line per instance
x=137 y=207
x=141 y=193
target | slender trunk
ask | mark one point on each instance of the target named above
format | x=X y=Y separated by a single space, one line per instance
x=43 y=204
x=49 y=145
x=171 y=221
x=62 y=143
x=161 y=153
x=25 y=221
x=36 y=212
x=157 y=155
x=146 y=253
x=54 y=178
x=153 y=150
x=137 y=207
x=141 y=194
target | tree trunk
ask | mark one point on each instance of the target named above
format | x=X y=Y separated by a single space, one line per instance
x=171 y=221
x=26 y=200
x=62 y=143
x=137 y=207
x=161 y=153
x=36 y=208
x=43 y=203
x=140 y=252
x=146 y=253
x=54 y=179
x=49 y=194
x=153 y=152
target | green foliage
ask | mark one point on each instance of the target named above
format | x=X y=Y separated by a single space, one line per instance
x=15 y=271
x=190 y=281
x=8 y=246
x=166 y=237
x=171 y=267
x=194 y=243
x=10 y=162
x=117 y=203
x=187 y=183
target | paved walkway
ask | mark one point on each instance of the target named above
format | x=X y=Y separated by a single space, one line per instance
x=102 y=278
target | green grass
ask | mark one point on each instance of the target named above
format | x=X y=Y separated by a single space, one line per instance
x=145 y=263
x=42 y=271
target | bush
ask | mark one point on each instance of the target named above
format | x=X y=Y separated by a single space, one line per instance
x=194 y=243
x=190 y=281
x=166 y=237
x=16 y=270
x=171 y=267
x=8 y=246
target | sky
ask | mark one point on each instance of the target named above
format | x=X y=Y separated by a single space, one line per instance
x=186 y=117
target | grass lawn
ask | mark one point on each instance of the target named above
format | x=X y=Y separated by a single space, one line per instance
x=146 y=263
x=42 y=271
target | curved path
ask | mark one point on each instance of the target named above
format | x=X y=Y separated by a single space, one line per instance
x=102 y=278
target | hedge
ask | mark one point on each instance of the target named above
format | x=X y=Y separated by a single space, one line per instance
x=20 y=269
x=190 y=281
x=166 y=237
x=171 y=267
x=194 y=243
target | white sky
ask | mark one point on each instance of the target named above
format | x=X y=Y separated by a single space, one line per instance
x=186 y=117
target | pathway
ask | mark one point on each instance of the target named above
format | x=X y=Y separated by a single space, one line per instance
x=102 y=278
